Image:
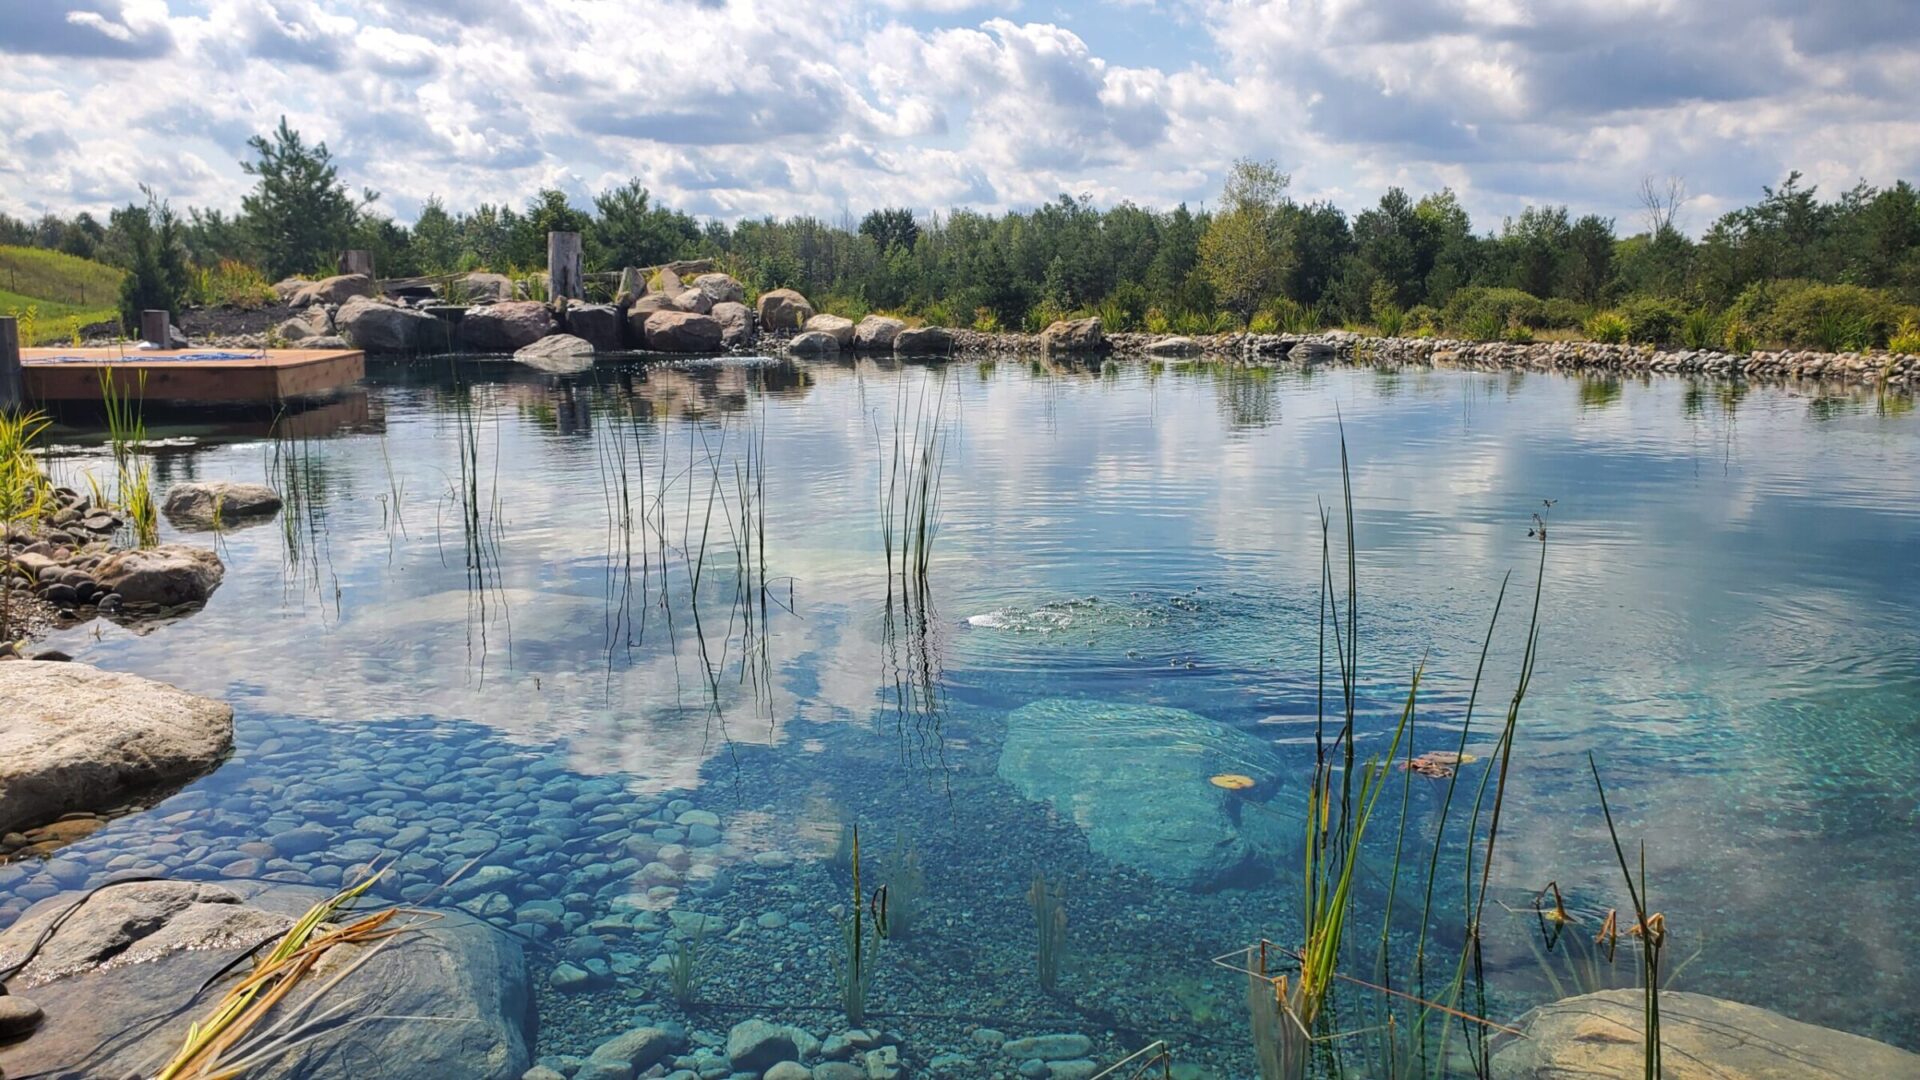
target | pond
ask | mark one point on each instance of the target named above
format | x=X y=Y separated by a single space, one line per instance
x=650 y=641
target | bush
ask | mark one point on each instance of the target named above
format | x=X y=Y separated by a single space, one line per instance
x=1517 y=334
x=1157 y=321
x=1607 y=328
x=986 y=320
x=1263 y=322
x=1701 y=329
x=1736 y=337
x=1806 y=314
x=1907 y=338
x=1652 y=320
x=1389 y=320
x=231 y=284
x=1484 y=313
x=1560 y=313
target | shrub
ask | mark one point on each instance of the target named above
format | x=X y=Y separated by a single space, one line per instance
x=1808 y=314
x=1292 y=317
x=986 y=320
x=1700 y=329
x=1157 y=321
x=1906 y=339
x=1517 y=334
x=937 y=314
x=230 y=284
x=1651 y=320
x=1737 y=336
x=1560 y=313
x=1608 y=328
x=1422 y=321
x=1389 y=320
x=1484 y=313
x=1263 y=322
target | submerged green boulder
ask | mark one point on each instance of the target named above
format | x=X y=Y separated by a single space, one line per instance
x=1138 y=779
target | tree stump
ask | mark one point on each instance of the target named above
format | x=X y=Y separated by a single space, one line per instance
x=564 y=266
x=154 y=326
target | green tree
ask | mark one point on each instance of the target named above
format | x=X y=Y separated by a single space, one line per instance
x=630 y=231
x=436 y=238
x=1588 y=266
x=890 y=228
x=1246 y=251
x=300 y=214
x=156 y=259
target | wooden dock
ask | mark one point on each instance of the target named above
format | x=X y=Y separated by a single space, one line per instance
x=201 y=375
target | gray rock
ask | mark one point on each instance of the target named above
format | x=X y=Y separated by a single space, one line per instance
x=788 y=1070
x=17 y=1016
x=285 y=288
x=720 y=288
x=1174 y=346
x=783 y=309
x=483 y=286
x=378 y=327
x=736 y=322
x=1189 y=834
x=167 y=938
x=693 y=300
x=1701 y=1037
x=314 y=323
x=169 y=575
x=814 y=343
x=1048 y=1047
x=682 y=331
x=877 y=332
x=78 y=738
x=334 y=290
x=756 y=1045
x=840 y=328
x=1073 y=336
x=883 y=1063
x=559 y=354
x=604 y=1070
x=599 y=324
x=838 y=1070
x=1078 y=1069
x=570 y=979
x=198 y=504
x=923 y=341
x=641 y=1048
x=506 y=327
x=541 y=1072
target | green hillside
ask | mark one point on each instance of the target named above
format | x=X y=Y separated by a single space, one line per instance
x=59 y=288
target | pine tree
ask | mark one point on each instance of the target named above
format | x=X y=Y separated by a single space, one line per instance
x=300 y=214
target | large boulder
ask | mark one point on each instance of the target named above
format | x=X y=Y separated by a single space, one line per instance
x=757 y=1045
x=121 y=978
x=334 y=290
x=736 y=323
x=205 y=504
x=720 y=288
x=813 y=343
x=1173 y=346
x=476 y=287
x=504 y=328
x=682 y=331
x=1191 y=833
x=877 y=332
x=1073 y=336
x=1701 y=1038
x=639 y=311
x=315 y=322
x=80 y=739
x=599 y=324
x=693 y=300
x=285 y=288
x=379 y=327
x=666 y=281
x=840 y=328
x=783 y=309
x=168 y=575
x=561 y=354
x=923 y=341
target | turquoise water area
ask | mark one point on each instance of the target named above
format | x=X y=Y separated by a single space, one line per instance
x=629 y=640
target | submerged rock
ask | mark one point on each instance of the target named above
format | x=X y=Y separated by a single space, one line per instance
x=1701 y=1037
x=201 y=504
x=756 y=1045
x=1137 y=779
x=78 y=738
x=168 y=575
x=114 y=976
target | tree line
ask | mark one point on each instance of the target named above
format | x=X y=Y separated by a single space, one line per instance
x=1792 y=268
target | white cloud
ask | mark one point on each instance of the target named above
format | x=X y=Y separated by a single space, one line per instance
x=749 y=107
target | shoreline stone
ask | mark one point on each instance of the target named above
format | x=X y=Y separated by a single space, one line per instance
x=78 y=738
x=191 y=505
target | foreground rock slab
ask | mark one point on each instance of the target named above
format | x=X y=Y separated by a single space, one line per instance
x=78 y=738
x=119 y=981
x=1702 y=1038
x=561 y=354
x=1168 y=820
x=203 y=504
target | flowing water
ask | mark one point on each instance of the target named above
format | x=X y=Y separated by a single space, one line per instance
x=632 y=638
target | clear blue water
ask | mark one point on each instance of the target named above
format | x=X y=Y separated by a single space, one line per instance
x=460 y=625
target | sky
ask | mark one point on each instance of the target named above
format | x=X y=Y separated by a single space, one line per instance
x=747 y=108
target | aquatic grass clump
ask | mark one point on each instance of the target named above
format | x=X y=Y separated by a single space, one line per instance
x=860 y=942
x=683 y=967
x=26 y=493
x=1049 y=903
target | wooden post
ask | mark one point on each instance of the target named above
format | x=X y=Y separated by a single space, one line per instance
x=13 y=391
x=356 y=261
x=564 y=266
x=153 y=328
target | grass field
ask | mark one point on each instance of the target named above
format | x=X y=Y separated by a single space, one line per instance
x=60 y=287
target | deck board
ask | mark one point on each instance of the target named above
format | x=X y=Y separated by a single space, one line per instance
x=270 y=375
